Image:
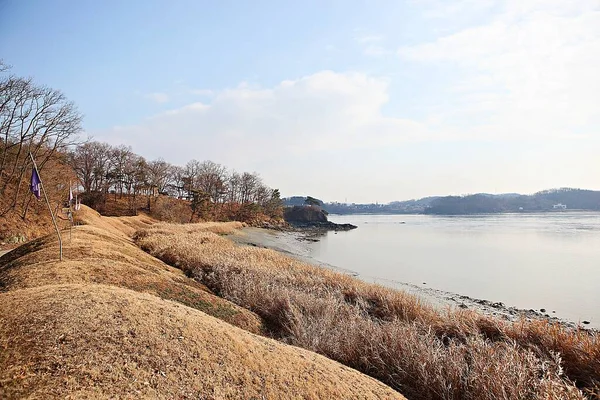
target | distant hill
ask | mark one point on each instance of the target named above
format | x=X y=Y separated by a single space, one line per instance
x=480 y=203
x=547 y=200
x=395 y=207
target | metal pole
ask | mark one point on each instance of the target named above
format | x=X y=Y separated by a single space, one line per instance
x=70 y=215
x=49 y=208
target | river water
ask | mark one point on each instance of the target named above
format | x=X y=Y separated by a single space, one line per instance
x=529 y=261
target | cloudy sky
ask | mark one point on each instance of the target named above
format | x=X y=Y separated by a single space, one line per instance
x=359 y=100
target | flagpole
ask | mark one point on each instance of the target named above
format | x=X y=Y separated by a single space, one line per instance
x=70 y=213
x=49 y=208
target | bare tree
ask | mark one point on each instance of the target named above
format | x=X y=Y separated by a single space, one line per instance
x=122 y=160
x=91 y=162
x=212 y=179
x=192 y=170
x=159 y=174
x=33 y=119
x=176 y=180
x=249 y=184
x=262 y=194
x=234 y=186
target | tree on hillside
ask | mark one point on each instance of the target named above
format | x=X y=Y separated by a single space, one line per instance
x=311 y=201
x=91 y=162
x=159 y=174
x=122 y=168
x=200 y=205
x=137 y=173
x=234 y=184
x=212 y=179
x=274 y=207
x=176 y=181
x=34 y=119
x=192 y=169
x=262 y=194
x=248 y=184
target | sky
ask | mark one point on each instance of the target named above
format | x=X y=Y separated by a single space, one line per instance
x=344 y=100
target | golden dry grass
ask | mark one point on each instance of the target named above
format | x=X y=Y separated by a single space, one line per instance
x=96 y=341
x=114 y=322
x=96 y=256
x=124 y=226
x=423 y=352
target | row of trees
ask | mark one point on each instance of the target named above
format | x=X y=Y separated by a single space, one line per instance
x=214 y=190
x=33 y=119
x=40 y=120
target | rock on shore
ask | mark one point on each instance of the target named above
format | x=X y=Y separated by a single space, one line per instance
x=313 y=218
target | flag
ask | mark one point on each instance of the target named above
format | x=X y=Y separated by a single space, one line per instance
x=35 y=185
x=70 y=195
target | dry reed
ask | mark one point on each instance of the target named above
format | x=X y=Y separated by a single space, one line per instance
x=422 y=352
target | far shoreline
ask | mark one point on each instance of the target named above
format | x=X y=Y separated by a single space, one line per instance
x=524 y=212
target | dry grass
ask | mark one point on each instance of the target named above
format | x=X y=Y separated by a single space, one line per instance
x=390 y=335
x=123 y=226
x=98 y=256
x=220 y=228
x=114 y=322
x=96 y=341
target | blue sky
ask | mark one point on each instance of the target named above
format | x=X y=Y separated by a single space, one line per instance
x=364 y=100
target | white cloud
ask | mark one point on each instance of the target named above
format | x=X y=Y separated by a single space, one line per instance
x=440 y=9
x=533 y=70
x=157 y=97
x=321 y=112
x=372 y=45
x=519 y=115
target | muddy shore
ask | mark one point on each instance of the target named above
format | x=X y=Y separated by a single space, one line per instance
x=295 y=244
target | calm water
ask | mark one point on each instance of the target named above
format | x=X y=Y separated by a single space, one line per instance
x=549 y=261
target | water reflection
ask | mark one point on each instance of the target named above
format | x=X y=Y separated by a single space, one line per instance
x=525 y=260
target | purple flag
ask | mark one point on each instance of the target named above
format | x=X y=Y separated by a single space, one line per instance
x=35 y=183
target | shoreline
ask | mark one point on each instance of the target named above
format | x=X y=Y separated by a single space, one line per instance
x=290 y=243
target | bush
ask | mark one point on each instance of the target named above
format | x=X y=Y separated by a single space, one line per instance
x=169 y=209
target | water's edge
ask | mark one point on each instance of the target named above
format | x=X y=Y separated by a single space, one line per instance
x=293 y=244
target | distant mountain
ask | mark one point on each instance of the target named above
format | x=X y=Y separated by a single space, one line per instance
x=547 y=200
x=507 y=195
x=480 y=203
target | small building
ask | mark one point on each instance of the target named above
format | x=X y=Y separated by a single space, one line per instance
x=559 y=206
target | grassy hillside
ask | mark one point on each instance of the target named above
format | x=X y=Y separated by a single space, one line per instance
x=114 y=322
x=422 y=352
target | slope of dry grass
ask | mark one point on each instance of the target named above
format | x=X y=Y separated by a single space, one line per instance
x=97 y=256
x=123 y=226
x=424 y=353
x=96 y=341
x=114 y=322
